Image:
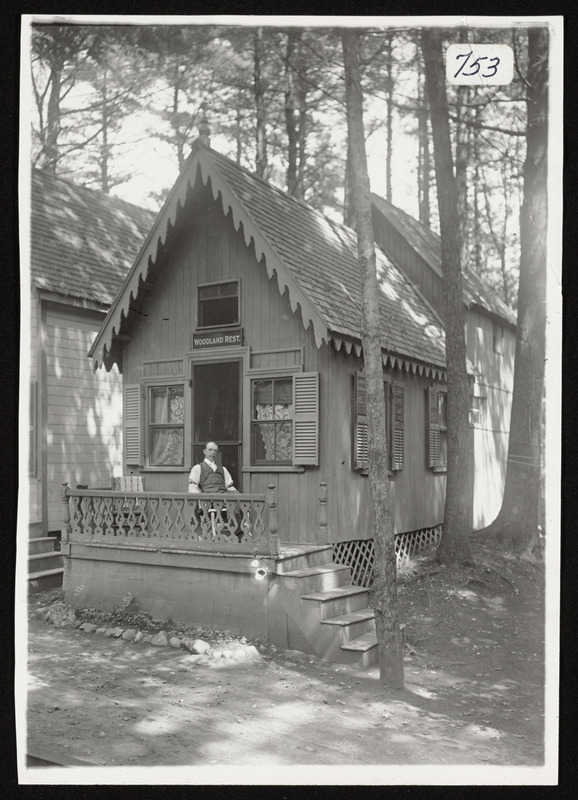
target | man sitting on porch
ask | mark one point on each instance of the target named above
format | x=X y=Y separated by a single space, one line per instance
x=208 y=476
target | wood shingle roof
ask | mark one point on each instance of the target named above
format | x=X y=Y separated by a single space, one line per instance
x=428 y=245
x=82 y=242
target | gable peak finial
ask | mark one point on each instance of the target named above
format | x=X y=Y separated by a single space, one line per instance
x=204 y=129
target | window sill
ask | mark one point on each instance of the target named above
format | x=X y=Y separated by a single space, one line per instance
x=287 y=468
x=364 y=473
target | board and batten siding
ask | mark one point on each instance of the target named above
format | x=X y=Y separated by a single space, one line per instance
x=209 y=249
x=83 y=409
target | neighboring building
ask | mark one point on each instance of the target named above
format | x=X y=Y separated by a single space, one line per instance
x=240 y=322
x=490 y=341
x=82 y=243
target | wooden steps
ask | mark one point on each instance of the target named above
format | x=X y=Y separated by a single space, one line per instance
x=325 y=615
x=45 y=564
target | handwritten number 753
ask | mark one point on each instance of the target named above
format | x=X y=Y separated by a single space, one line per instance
x=475 y=66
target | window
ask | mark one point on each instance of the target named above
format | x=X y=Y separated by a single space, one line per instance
x=219 y=305
x=285 y=420
x=477 y=410
x=437 y=429
x=166 y=426
x=394 y=424
x=272 y=421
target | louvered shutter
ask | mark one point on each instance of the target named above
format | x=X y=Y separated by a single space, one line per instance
x=433 y=429
x=306 y=418
x=397 y=421
x=32 y=440
x=360 y=439
x=132 y=425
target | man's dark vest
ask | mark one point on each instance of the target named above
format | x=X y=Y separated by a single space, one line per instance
x=211 y=481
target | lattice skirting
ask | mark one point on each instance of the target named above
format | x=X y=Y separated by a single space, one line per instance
x=359 y=554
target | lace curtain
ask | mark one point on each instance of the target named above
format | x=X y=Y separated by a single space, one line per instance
x=276 y=436
x=167 y=444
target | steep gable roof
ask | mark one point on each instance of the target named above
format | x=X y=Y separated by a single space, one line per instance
x=427 y=244
x=314 y=259
x=82 y=242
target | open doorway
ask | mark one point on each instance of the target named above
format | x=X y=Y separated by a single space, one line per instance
x=216 y=413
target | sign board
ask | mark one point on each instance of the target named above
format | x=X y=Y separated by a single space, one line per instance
x=220 y=338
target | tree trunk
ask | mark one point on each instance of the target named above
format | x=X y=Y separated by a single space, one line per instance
x=291 y=113
x=349 y=212
x=52 y=121
x=423 y=169
x=518 y=520
x=462 y=161
x=261 y=141
x=389 y=128
x=384 y=573
x=454 y=546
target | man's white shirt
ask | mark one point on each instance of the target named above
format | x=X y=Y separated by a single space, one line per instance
x=195 y=476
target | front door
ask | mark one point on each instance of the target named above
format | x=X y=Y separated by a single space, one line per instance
x=216 y=413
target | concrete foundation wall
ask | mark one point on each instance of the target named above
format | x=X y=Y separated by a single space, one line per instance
x=216 y=592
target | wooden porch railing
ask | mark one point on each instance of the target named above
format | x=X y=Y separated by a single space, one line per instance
x=229 y=522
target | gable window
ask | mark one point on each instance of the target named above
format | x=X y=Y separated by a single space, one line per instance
x=166 y=427
x=437 y=428
x=394 y=424
x=218 y=304
x=285 y=420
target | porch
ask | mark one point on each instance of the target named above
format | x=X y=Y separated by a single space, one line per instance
x=217 y=561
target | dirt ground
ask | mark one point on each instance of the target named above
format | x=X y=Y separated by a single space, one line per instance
x=474 y=695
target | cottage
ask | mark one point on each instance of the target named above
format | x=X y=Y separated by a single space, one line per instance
x=82 y=244
x=239 y=322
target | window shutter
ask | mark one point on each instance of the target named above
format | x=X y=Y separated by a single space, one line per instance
x=32 y=441
x=132 y=425
x=306 y=418
x=360 y=439
x=397 y=443
x=433 y=429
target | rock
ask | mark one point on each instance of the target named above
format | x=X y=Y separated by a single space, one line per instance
x=77 y=623
x=41 y=613
x=117 y=633
x=129 y=635
x=217 y=654
x=138 y=636
x=226 y=654
x=241 y=654
x=148 y=638
x=100 y=631
x=175 y=642
x=200 y=646
x=88 y=627
x=108 y=633
x=187 y=643
x=252 y=653
x=160 y=640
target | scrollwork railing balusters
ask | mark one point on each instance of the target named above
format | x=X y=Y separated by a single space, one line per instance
x=231 y=519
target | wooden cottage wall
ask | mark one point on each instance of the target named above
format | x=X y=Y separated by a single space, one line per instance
x=490 y=433
x=35 y=461
x=417 y=494
x=82 y=409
